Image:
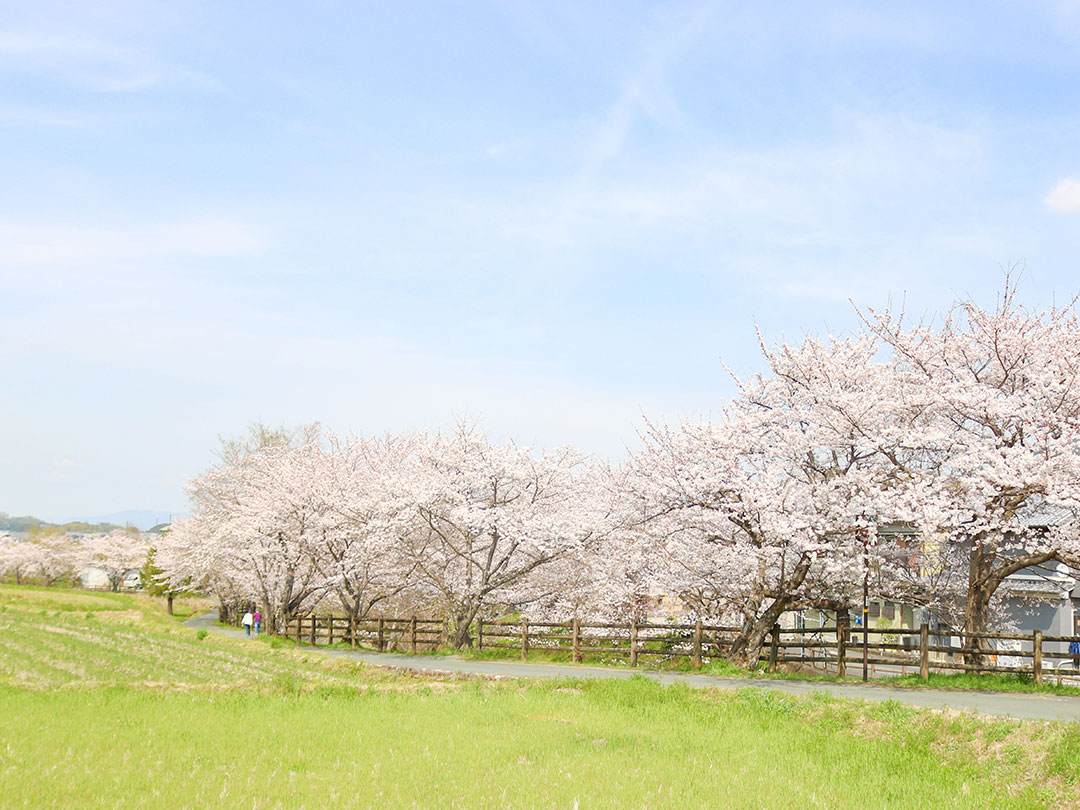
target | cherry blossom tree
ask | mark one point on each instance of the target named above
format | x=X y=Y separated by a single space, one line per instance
x=264 y=508
x=279 y=516
x=353 y=548
x=990 y=402
x=480 y=521
x=193 y=555
x=56 y=557
x=461 y=523
x=251 y=512
x=18 y=558
x=117 y=553
x=767 y=510
x=612 y=577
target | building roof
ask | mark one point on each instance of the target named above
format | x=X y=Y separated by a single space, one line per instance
x=1047 y=515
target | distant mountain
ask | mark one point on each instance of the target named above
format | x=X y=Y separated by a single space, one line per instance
x=31 y=525
x=141 y=519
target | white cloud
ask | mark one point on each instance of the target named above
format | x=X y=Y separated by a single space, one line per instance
x=93 y=63
x=855 y=193
x=1064 y=197
x=25 y=116
x=72 y=247
x=644 y=91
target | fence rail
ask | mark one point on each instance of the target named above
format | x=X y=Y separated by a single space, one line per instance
x=411 y=634
x=832 y=649
x=841 y=647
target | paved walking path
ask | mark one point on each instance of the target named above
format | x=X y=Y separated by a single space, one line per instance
x=1022 y=706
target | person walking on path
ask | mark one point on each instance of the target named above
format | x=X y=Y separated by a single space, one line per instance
x=258 y=620
x=247 y=621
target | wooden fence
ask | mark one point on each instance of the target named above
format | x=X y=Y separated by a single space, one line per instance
x=838 y=649
x=415 y=634
x=634 y=641
x=384 y=634
x=828 y=649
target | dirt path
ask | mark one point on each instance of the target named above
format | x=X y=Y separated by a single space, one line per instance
x=1023 y=706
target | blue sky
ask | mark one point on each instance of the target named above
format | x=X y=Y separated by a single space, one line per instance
x=550 y=217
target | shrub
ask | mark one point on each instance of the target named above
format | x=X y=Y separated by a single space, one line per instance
x=201 y=634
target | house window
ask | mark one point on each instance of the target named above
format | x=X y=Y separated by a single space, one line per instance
x=888 y=610
x=875 y=610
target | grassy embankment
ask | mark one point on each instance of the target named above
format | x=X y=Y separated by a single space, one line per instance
x=108 y=702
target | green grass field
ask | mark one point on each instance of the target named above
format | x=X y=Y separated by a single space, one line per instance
x=110 y=703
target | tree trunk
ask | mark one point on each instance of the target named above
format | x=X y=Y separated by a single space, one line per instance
x=169 y=598
x=747 y=646
x=462 y=619
x=977 y=604
x=976 y=618
x=984 y=579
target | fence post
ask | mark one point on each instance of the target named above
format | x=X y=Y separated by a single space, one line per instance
x=1036 y=656
x=633 y=644
x=412 y=635
x=774 y=647
x=697 y=645
x=313 y=621
x=380 y=641
x=524 y=639
x=299 y=629
x=479 y=634
x=577 y=641
x=330 y=631
x=841 y=646
x=924 y=651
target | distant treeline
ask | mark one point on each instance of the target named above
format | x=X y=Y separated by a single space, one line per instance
x=33 y=525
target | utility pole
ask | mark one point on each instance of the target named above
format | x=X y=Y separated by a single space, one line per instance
x=865 y=604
